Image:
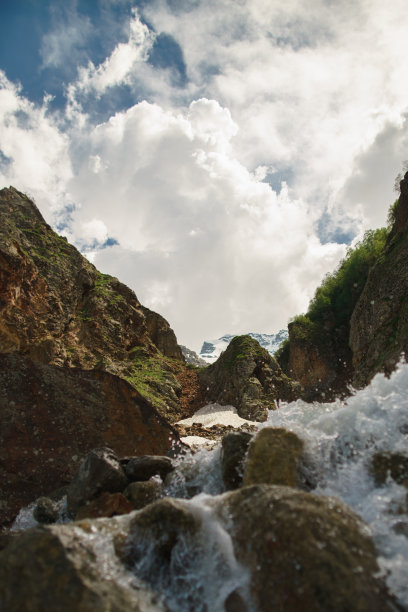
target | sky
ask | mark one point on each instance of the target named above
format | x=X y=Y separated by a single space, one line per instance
x=217 y=156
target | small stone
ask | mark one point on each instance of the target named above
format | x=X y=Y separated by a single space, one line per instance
x=146 y=466
x=140 y=494
x=45 y=511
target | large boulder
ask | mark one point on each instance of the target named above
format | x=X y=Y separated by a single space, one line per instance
x=304 y=552
x=248 y=377
x=51 y=417
x=273 y=458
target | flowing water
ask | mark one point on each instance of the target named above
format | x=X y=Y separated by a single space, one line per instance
x=341 y=439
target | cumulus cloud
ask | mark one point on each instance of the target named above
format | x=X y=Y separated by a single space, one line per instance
x=225 y=194
x=36 y=150
x=201 y=239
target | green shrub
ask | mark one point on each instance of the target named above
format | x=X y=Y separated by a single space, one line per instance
x=334 y=301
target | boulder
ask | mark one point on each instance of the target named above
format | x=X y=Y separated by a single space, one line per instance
x=273 y=456
x=234 y=448
x=99 y=472
x=140 y=494
x=248 y=377
x=303 y=552
x=62 y=568
x=146 y=466
x=51 y=417
x=107 y=504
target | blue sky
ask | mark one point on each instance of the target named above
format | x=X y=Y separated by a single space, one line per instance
x=217 y=156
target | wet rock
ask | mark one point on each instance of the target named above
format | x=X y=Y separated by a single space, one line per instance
x=45 y=511
x=304 y=552
x=107 y=504
x=51 y=417
x=273 y=456
x=394 y=465
x=100 y=471
x=146 y=466
x=234 y=449
x=70 y=567
x=248 y=377
x=140 y=494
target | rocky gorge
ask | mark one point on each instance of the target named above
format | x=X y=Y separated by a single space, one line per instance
x=303 y=507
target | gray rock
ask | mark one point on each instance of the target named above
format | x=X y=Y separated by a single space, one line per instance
x=100 y=471
x=146 y=466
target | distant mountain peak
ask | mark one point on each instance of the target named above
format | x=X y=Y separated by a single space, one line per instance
x=212 y=349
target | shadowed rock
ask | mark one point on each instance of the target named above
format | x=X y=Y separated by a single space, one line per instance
x=51 y=417
x=99 y=472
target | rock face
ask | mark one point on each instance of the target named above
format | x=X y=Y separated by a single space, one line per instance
x=322 y=365
x=273 y=456
x=56 y=308
x=379 y=324
x=247 y=377
x=51 y=417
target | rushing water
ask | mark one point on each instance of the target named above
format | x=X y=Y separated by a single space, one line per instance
x=340 y=441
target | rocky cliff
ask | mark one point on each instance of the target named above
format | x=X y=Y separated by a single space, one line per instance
x=379 y=323
x=56 y=308
x=357 y=323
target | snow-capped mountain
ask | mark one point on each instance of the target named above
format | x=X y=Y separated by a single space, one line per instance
x=211 y=350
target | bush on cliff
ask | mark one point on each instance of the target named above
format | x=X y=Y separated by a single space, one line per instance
x=336 y=297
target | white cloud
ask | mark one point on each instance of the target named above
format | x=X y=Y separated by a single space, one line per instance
x=117 y=68
x=312 y=92
x=38 y=154
x=200 y=238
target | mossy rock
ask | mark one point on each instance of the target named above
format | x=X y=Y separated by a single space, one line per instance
x=248 y=377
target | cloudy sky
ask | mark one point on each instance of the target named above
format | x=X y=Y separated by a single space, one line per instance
x=217 y=156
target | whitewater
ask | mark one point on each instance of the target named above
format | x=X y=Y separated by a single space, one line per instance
x=340 y=441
